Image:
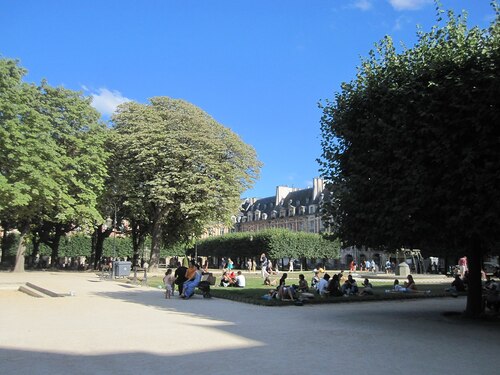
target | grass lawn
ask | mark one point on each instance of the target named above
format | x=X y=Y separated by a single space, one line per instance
x=255 y=290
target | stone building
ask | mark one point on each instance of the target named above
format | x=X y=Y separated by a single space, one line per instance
x=291 y=208
x=294 y=209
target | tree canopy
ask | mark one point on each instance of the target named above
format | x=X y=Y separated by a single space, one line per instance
x=411 y=146
x=51 y=154
x=177 y=169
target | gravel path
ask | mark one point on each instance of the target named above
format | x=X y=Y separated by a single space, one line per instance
x=112 y=328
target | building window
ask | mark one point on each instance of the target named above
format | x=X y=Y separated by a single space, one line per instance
x=312 y=209
x=302 y=226
x=291 y=211
x=264 y=216
x=311 y=226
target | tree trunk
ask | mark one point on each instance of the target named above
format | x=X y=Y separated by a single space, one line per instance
x=155 y=245
x=92 y=262
x=4 y=245
x=100 y=236
x=138 y=238
x=36 y=245
x=55 y=245
x=21 y=249
x=474 y=296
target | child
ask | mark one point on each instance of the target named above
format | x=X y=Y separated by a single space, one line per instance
x=169 y=281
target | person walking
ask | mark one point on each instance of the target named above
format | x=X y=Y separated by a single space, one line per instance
x=264 y=263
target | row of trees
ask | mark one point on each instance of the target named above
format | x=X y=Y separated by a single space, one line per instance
x=412 y=147
x=80 y=245
x=166 y=168
x=276 y=243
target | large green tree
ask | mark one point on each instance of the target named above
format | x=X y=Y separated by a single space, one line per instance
x=51 y=156
x=411 y=147
x=176 y=168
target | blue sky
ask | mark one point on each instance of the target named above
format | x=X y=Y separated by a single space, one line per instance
x=258 y=67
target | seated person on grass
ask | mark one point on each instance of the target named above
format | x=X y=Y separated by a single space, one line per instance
x=315 y=279
x=367 y=288
x=303 y=287
x=225 y=279
x=410 y=284
x=350 y=287
x=456 y=286
x=322 y=285
x=284 y=291
x=396 y=287
x=334 y=286
x=240 y=281
x=491 y=295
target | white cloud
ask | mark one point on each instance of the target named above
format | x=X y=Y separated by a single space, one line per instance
x=401 y=22
x=106 y=101
x=409 y=4
x=363 y=4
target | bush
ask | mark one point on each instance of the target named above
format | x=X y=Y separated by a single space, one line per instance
x=277 y=243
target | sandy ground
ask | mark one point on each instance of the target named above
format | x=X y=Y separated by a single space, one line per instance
x=109 y=327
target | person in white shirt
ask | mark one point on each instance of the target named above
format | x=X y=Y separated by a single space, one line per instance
x=322 y=285
x=240 y=280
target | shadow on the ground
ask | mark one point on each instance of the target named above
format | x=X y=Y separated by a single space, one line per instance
x=27 y=362
x=376 y=328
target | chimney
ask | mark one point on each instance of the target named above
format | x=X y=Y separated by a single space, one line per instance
x=318 y=187
x=281 y=193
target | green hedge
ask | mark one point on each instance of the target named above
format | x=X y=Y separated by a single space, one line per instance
x=277 y=243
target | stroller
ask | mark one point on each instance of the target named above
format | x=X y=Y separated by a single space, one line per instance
x=207 y=279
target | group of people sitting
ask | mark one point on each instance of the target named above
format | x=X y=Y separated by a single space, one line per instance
x=229 y=278
x=186 y=279
x=339 y=285
x=490 y=289
x=409 y=286
x=287 y=292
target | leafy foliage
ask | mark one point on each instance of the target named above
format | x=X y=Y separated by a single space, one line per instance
x=51 y=156
x=411 y=147
x=175 y=168
x=277 y=243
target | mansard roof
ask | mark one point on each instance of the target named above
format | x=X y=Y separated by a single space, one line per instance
x=264 y=205
x=299 y=198
x=296 y=198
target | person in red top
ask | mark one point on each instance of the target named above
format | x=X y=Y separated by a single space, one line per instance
x=462 y=265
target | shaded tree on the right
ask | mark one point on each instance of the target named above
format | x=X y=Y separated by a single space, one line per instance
x=411 y=147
